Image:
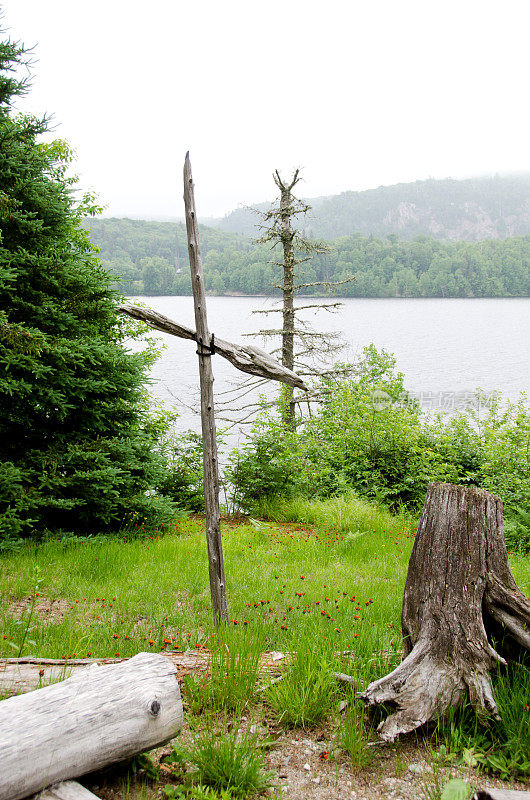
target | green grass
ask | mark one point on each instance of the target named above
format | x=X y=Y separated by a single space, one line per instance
x=229 y=760
x=353 y=735
x=283 y=581
x=234 y=670
x=321 y=579
x=306 y=690
x=502 y=746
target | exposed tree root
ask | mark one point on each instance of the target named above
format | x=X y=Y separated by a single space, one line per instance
x=460 y=595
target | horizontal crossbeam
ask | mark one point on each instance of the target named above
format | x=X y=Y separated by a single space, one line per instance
x=244 y=357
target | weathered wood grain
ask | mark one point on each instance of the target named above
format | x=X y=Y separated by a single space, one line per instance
x=102 y=715
x=459 y=595
x=66 y=790
x=209 y=437
x=246 y=358
x=19 y=675
x=501 y=794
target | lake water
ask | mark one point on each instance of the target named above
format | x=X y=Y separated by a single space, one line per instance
x=446 y=348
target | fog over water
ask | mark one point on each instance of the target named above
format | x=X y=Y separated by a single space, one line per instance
x=444 y=347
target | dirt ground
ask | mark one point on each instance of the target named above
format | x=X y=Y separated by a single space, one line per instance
x=306 y=765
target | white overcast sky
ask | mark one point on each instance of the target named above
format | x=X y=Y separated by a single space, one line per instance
x=358 y=93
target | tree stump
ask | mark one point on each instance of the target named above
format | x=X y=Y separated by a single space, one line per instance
x=460 y=597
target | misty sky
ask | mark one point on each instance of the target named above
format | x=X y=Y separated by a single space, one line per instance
x=359 y=94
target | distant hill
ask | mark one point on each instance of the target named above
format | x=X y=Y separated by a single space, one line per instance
x=151 y=258
x=450 y=210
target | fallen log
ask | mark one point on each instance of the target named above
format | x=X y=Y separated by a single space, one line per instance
x=18 y=675
x=459 y=596
x=501 y=794
x=67 y=790
x=103 y=715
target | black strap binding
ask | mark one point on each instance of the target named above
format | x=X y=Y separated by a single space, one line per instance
x=204 y=350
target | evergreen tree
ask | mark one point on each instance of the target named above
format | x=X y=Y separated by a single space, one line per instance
x=76 y=440
x=279 y=229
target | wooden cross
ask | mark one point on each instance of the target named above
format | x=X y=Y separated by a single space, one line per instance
x=246 y=358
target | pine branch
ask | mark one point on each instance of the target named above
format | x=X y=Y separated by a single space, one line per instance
x=325 y=306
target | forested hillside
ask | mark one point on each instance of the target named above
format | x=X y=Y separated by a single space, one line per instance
x=151 y=258
x=451 y=210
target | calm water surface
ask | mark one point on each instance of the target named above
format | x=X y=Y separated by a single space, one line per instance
x=441 y=345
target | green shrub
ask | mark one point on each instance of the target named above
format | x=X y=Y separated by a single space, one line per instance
x=502 y=747
x=183 y=480
x=517 y=531
x=366 y=435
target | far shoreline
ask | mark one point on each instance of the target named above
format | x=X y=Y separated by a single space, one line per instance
x=342 y=297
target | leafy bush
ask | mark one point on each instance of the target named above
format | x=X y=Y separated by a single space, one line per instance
x=368 y=436
x=503 y=746
x=517 y=531
x=183 y=480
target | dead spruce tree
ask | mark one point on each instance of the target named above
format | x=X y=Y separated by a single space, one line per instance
x=302 y=348
x=463 y=613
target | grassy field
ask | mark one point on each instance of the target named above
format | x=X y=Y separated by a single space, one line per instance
x=340 y=580
x=334 y=570
x=323 y=580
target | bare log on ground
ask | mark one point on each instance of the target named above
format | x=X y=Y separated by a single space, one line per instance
x=99 y=717
x=67 y=790
x=501 y=794
x=19 y=675
x=246 y=358
x=459 y=594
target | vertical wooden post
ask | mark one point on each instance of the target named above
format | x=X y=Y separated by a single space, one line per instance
x=209 y=442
